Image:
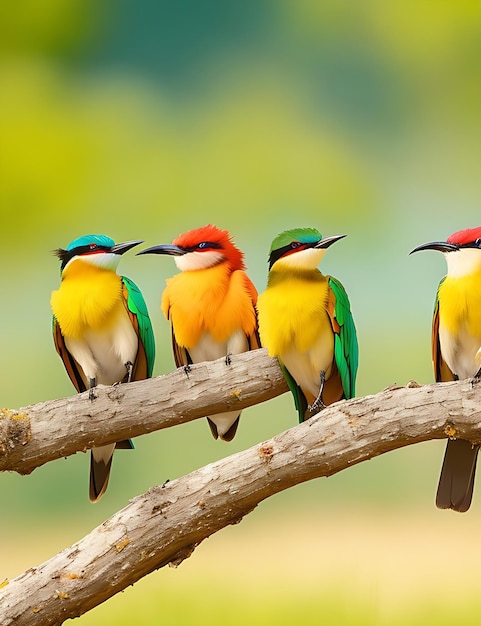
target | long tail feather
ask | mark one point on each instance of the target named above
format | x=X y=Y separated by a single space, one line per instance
x=224 y=425
x=456 y=483
x=100 y=463
x=230 y=434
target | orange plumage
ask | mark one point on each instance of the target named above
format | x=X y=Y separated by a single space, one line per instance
x=215 y=300
x=210 y=304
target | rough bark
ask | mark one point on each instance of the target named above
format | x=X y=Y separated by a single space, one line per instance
x=167 y=523
x=34 y=435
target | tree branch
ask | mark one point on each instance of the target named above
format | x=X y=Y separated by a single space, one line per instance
x=167 y=523
x=51 y=430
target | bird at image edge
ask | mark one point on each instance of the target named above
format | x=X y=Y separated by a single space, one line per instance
x=305 y=321
x=456 y=352
x=101 y=329
x=210 y=304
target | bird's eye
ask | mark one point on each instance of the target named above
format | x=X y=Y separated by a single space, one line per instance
x=92 y=246
x=477 y=243
x=202 y=245
x=295 y=244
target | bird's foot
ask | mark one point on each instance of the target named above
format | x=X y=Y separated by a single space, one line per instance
x=92 y=385
x=476 y=378
x=129 y=366
x=318 y=404
x=187 y=370
x=228 y=360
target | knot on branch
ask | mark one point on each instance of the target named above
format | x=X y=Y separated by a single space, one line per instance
x=15 y=430
x=266 y=451
x=450 y=431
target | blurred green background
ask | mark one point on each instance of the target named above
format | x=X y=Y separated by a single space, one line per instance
x=144 y=119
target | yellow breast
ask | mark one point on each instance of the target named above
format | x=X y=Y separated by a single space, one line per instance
x=292 y=312
x=89 y=298
x=213 y=300
x=460 y=304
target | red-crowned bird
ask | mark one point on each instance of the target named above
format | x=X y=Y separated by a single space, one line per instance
x=210 y=304
x=456 y=351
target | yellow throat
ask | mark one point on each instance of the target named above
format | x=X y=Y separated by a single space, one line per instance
x=86 y=299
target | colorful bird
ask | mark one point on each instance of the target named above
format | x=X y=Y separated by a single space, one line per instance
x=210 y=304
x=305 y=321
x=101 y=329
x=456 y=352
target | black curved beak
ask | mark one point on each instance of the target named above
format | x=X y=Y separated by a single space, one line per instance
x=328 y=241
x=166 y=248
x=121 y=248
x=441 y=246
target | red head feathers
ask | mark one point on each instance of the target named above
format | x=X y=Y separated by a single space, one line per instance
x=211 y=238
x=462 y=237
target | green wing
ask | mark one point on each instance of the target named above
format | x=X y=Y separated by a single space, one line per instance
x=346 y=350
x=441 y=368
x=138 y=309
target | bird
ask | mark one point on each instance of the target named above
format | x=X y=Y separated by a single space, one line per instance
x=305 y=321
x=101 y=329
x=456 y=352
x=210 y=305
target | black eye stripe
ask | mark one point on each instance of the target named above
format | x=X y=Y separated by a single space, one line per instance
x=473 y=244
x=275 y=255
x=66 y=255
x=203 y=245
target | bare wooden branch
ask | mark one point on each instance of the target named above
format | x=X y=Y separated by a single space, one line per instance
x=167 y=523
x=51 y=430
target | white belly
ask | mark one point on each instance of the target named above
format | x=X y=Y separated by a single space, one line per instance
x=306 y=367
x=462 y=352
x=208 y=349
x=104 y=355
